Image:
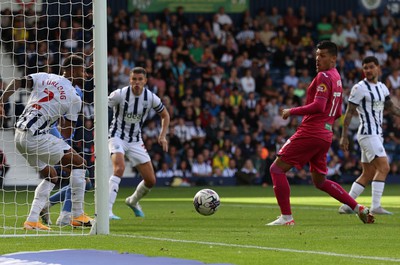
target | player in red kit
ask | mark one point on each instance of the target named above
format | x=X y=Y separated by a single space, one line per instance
x=312 y=140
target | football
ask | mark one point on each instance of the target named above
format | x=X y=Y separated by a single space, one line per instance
x=206 y=202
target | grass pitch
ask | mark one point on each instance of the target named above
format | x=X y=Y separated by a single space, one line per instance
x=236 y=233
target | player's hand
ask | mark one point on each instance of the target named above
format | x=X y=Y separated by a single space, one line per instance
x=285 y=113
x=344 y=143
x=163 y=142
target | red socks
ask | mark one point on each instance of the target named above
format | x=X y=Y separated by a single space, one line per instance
x=281 y=188
x=336 y=191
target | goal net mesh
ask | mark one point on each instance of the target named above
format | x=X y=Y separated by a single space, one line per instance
x=36 y=36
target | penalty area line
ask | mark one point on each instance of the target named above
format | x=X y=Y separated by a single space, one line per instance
x=323 y=253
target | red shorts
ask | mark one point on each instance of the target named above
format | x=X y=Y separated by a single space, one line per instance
x=298 y=151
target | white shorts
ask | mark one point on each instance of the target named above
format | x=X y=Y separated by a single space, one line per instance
x=40 y=150
x=371 y=147
x=134 y=151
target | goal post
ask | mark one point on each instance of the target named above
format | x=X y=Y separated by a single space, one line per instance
x=101 y=118
x=35 y=36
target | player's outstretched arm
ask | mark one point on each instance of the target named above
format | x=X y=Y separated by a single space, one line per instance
x=317 y=106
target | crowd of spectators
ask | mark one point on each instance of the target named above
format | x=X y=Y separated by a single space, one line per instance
x=224 y=85
x=40 y=43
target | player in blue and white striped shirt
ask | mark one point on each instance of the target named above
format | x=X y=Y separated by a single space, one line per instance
x=369 y=98
x=131 y=106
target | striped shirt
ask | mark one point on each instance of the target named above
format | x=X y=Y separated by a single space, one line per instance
x=52 y=97
x=370 y=99
x=130 y=112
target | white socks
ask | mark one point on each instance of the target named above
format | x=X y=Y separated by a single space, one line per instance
x=113 y=191
x=140 y=192
x=77 y=183
x=42 y=193
x=377 y=191
x=356 y=190
x=287 y=217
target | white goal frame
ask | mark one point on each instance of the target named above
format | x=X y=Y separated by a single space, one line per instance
x=101 y=118
x=102 y=161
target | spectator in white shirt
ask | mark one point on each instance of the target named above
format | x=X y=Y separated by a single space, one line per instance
x=339 y=38
x=230 y=171
x=245 y=33
x=197 y=131
x=163 y=49
x=223 y=18
x=151 y=130
x=350 y=33
x=381 y=55
x=183 y=171
x=291 y=79
x=216 y=27
x=164 y=171
x=201 y=170
x=248 y=82
x=135 y=32
x=393 y=80
x=182 y=131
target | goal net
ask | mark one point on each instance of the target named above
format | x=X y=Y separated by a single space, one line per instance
x=36 y=36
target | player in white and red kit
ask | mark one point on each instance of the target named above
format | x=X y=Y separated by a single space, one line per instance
x=53 y=99
x=312 y=140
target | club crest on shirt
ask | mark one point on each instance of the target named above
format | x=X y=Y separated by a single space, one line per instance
x=321 y=88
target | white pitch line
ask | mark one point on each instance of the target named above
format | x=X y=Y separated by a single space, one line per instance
x=323 y=253
x=311 y=207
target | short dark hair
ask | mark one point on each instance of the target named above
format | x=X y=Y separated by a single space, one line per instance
x=139 y=70
x=370 y=59
x=328 y=45
x=73 y=60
